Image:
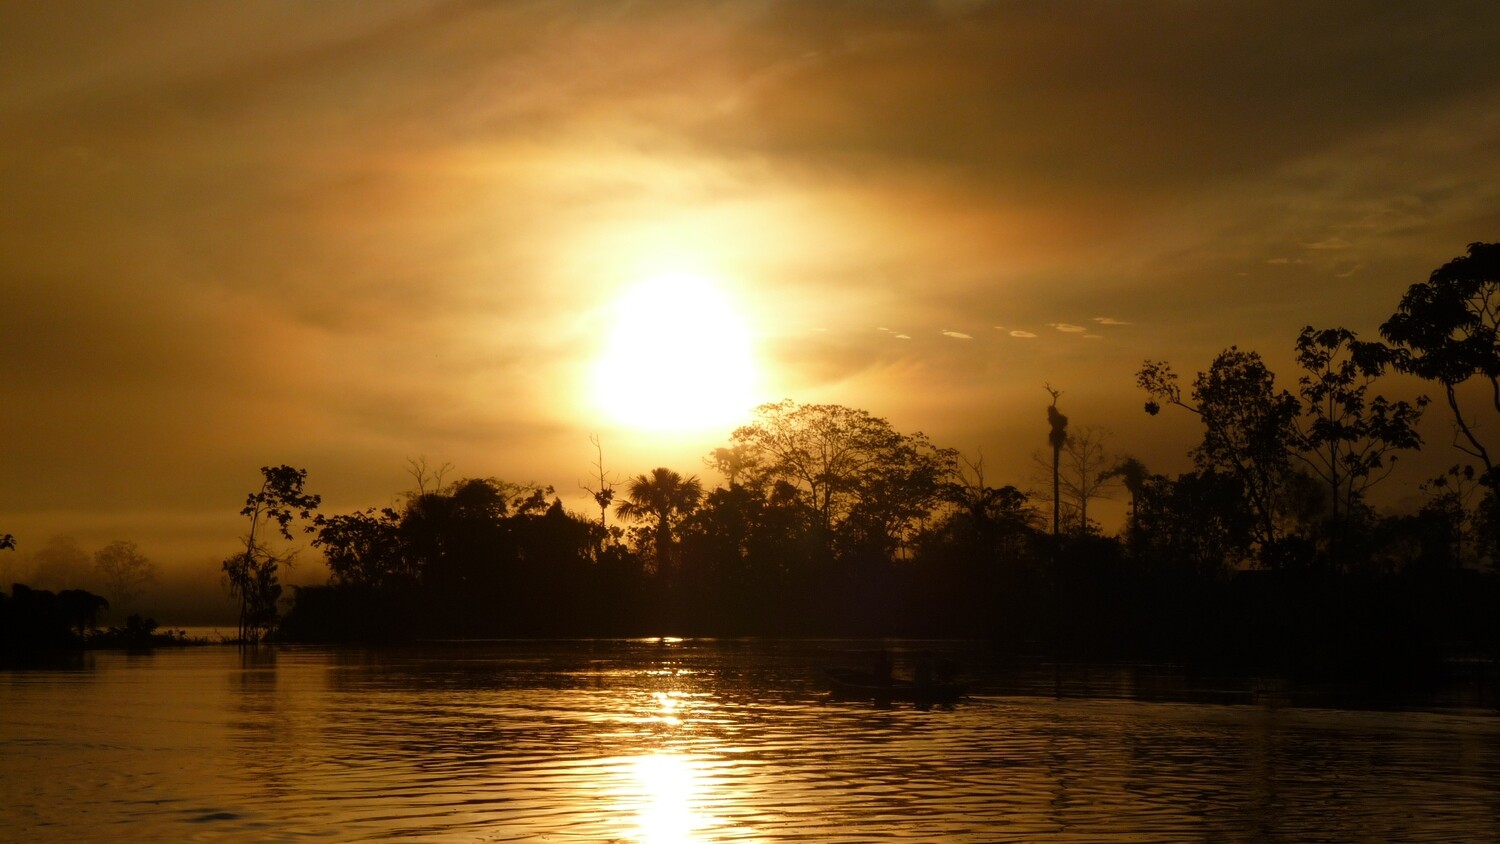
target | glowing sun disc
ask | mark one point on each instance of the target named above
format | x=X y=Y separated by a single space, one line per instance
x=678 y=358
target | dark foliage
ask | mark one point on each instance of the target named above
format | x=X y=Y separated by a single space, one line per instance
x=37 y=620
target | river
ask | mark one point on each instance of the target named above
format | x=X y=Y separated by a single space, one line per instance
x=659 y=742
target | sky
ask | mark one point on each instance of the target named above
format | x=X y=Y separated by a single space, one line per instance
x=342 y=235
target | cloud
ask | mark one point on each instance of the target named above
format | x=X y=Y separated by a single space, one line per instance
x=1024 y=335
x=1026 y=104
x=1093 y=336
x=957 y=335
x=1351 y=271
x=1104 y=320
x=1330 y=243
x=1068 y=327
x=902 y=336
x=1283 y=261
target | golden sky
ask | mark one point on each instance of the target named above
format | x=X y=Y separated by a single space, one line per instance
x=342 y=234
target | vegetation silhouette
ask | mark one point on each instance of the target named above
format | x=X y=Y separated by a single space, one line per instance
x=1268 y=556
x=252 y=575
x=831 y=522
x=39 y=622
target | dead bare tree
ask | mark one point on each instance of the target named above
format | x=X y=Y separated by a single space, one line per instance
x=425 y=474
x=604 y=493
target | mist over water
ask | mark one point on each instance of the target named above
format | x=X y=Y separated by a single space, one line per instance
x=654 y=742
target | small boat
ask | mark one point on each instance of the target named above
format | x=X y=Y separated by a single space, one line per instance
x=848 y=684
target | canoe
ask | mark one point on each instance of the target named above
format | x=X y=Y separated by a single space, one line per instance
x=847 y=684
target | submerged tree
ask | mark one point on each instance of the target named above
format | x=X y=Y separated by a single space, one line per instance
x=1448 y=329
x=252 y=573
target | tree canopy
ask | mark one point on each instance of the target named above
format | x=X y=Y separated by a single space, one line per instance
x=1448 y=330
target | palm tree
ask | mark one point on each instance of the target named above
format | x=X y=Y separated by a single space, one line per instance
x=663 y=498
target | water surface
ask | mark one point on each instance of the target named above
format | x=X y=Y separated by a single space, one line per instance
x=657 y=742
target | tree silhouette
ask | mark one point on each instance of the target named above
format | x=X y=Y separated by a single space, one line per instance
x=1347 y=439
x=604 y=494
x=1249 y=427
x=1057 y=437
x=857 y=473
x=252 y=573
x=365 y=548
x=1131 y=472
x=1448 y=329
x=1085 y=474
x=662 y=500
x=126 y=571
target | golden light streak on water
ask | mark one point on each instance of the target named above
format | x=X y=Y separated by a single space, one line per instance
x=669 y=785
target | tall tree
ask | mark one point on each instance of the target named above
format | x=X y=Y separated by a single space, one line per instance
x=1057 y=437
x=1348 y=438
x=252 y=573
x=1196 y=523
x=1086 y=473
x=1448 y=329
x=733 y=463
x=1248 y=426
x=126 y=572
x=604 y=493
x=852 y=469
x=662 y=499
x=1131 y=472
x=61 y=563
x=365 y=548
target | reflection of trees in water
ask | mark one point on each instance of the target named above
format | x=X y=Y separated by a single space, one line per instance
x=656 y=741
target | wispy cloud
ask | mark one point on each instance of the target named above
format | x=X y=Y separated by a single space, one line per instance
x=1068 y=327
x=1329 y=243
x=1024 y=335
x=902 y=336
x=1351 y=271
x=957 y=335
x=1104 y=320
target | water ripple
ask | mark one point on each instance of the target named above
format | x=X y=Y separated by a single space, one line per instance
x=645 y=743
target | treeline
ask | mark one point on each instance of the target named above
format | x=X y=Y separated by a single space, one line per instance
x=831 y=522
x=38 y=622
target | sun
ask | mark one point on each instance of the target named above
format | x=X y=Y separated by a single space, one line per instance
x=678 y=357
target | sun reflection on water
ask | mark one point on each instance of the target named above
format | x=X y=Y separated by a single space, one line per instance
x=669 y=788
